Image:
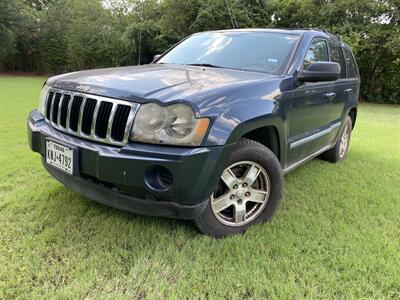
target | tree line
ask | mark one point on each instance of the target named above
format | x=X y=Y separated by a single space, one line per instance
x=56 y=36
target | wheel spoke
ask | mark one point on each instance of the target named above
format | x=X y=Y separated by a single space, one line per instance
x=258 y=196
x=229 y=178
x=221 y=203
x=240 y=213
x=251 y=175
x=236 y=202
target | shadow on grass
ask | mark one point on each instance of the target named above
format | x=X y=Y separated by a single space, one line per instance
x=65 y=206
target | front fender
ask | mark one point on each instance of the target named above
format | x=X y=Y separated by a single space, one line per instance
x=246 y=116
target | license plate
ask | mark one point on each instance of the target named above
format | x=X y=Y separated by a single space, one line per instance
x=60 y=156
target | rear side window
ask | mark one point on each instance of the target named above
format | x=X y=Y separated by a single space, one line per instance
x=352 y=71
x=318 y=51
x=338 y=57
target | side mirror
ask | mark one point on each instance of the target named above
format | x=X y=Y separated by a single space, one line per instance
x=320 y=71
x=156 y=57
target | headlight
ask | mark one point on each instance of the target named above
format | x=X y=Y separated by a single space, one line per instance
x=175 y=124
x=42 y=99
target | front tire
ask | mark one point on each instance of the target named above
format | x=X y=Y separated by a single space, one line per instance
x=249 y=191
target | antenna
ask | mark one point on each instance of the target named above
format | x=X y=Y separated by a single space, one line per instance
x=232 y=16
x=234 y=19
x=140 y=36
x=140 y=45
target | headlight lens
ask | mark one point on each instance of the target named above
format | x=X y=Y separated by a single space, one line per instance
x=42 y=99
x=175 y=124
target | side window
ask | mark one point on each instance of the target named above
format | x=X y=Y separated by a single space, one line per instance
x=351 y=65
x=338 y=57
x=318 y=51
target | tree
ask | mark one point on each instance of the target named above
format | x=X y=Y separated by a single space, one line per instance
x=56 y=36
x=8 y=24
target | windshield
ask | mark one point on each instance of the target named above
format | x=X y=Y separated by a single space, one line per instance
x=251 y=51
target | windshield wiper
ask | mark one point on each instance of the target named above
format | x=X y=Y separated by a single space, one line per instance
x=205 y=65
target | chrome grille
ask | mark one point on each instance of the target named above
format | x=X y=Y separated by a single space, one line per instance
x=95 y=118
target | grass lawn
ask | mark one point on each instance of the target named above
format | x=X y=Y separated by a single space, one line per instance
x=337 y=232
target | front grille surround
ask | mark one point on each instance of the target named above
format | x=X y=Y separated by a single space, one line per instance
x=71 y=112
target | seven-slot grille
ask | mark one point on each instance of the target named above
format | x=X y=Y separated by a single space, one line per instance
x=91 y=117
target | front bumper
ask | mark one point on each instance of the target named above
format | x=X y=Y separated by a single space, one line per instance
x=121 y=176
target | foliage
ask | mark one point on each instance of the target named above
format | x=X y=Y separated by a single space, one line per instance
x=335 y=235
x=55 y=36
x=8 y=24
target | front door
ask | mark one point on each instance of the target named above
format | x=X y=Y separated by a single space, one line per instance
x=311 y=114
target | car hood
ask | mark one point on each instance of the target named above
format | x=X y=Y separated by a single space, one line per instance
x=158 y=82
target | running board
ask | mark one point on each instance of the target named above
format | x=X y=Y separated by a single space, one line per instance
x=306 y=159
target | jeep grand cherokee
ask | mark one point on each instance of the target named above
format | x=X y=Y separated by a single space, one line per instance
x=205 y=132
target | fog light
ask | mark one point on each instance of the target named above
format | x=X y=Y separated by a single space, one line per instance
x=159 y=178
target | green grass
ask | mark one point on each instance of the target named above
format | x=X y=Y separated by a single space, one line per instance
x=336 y=234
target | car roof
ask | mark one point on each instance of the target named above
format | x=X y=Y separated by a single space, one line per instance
x=298 y=31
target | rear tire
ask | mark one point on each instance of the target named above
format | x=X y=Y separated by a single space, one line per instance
x=339 y=151
x=249 y=191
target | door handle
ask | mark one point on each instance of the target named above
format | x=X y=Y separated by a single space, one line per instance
x=330 y=95
x=348 y=91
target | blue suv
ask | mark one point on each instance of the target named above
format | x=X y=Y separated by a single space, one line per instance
x=207 y=131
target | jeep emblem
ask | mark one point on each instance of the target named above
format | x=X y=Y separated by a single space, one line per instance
x=83 y=88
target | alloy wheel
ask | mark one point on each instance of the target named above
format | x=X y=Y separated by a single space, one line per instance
x=241 y=194
x=344 y=140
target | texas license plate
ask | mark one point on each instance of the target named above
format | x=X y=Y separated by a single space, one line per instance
x=60 y=156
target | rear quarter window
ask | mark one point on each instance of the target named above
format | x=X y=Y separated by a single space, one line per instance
x=352 y=71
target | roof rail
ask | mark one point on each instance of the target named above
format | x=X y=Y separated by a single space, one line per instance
x=326 y=32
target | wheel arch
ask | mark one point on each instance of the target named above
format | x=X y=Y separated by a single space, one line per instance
x=268 y=130
x=267 y=136
x=353 y=115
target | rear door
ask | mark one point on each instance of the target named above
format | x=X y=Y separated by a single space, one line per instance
x=343 y=86
x=311 y=111
x=353 y=77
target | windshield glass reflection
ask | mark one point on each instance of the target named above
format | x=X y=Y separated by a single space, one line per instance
x=266 y=52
